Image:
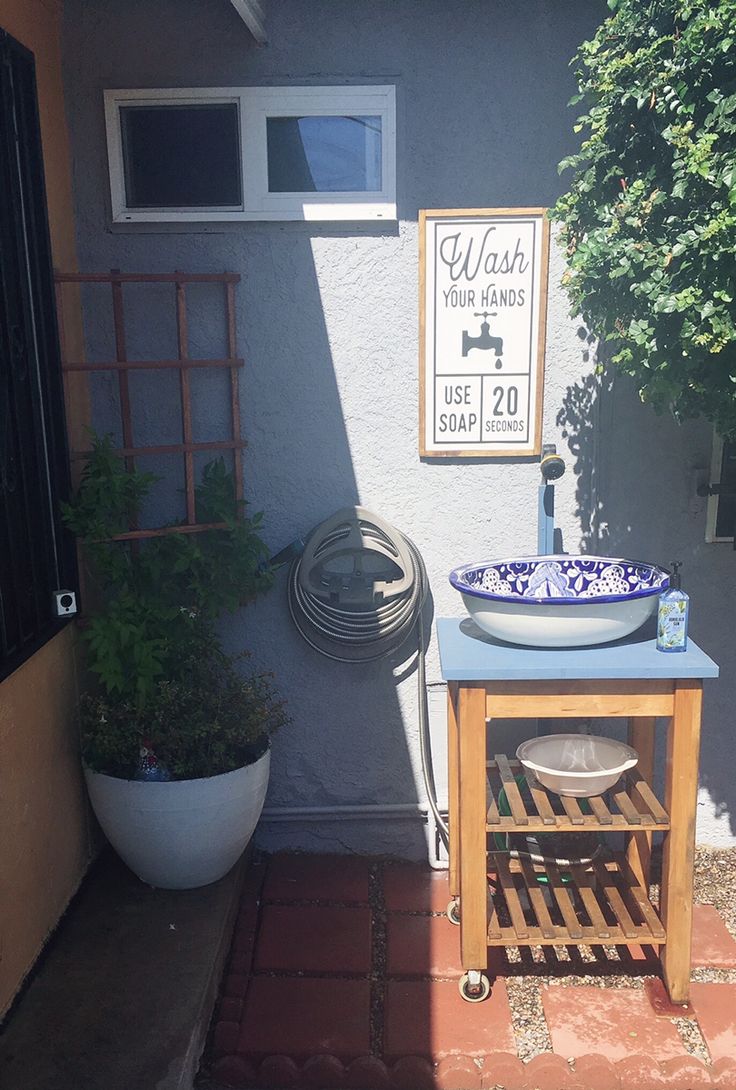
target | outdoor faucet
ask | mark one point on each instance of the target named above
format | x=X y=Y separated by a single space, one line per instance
x=552 y=467
x=485 y=341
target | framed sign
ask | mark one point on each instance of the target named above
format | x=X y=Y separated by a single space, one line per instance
x=482 y=314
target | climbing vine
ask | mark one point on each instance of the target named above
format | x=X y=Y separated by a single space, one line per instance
x=649 y=220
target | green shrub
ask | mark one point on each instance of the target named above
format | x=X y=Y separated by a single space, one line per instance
x=161 y=675
x=204 y=720
x=649 y=221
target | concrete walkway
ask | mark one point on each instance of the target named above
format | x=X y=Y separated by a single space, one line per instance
x=124 y=993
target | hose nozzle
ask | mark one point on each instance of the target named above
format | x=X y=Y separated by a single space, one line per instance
x=552 y=464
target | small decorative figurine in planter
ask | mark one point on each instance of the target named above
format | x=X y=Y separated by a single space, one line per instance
x=175 y=737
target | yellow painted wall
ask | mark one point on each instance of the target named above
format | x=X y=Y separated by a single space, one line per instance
x=45 y=844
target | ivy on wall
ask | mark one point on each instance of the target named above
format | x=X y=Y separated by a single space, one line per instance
x=649 y=221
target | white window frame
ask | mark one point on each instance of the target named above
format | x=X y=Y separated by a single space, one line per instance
x=255 y=106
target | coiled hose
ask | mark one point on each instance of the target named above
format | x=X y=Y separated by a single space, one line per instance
x=366 y=631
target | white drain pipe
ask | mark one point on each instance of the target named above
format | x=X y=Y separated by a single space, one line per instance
x=367 y=812
x=400 y=811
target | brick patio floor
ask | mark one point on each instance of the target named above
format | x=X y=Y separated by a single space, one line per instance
x=344 y=974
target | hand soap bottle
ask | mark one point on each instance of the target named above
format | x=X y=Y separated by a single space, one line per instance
x=672 y=618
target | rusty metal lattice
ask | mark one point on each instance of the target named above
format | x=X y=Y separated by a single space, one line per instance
x=183 y=364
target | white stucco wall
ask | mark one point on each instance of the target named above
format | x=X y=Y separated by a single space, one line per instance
x=328 y=326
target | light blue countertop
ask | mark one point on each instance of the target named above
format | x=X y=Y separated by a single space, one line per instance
x=468 y=654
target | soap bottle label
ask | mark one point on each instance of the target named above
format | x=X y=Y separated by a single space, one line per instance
x=672 y=625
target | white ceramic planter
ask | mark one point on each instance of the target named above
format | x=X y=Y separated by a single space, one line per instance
x=184 y=833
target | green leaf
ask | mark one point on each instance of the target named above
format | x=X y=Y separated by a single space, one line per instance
x=649 y=216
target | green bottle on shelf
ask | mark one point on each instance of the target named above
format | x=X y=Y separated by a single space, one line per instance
x=672 y=618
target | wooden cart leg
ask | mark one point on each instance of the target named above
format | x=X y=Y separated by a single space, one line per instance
x=676 y=901
x=452 y=789
x=639 y=844
x=472 y=787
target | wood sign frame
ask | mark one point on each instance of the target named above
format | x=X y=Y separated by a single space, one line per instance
x=481 y=386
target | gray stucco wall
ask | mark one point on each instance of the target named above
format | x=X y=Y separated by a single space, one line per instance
x=328 y=326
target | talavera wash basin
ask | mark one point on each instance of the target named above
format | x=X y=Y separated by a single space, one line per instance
x=559 y=601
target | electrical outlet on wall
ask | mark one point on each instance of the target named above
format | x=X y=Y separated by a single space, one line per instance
x=64 y=603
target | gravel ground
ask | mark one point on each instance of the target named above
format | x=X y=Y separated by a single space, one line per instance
x=611 y=967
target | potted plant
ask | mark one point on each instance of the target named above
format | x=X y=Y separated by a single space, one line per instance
x=175 y=735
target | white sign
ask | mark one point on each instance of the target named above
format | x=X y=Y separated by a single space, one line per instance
x=483 y=304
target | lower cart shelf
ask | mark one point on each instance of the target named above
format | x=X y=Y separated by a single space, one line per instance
x=631 y=805
x=543 y=904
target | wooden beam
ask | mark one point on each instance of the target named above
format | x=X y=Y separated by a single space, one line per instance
x=252 y=15
x=681 y=801
x=453 y=788
x=574 y=699
x=639 y=844
x=471 y=771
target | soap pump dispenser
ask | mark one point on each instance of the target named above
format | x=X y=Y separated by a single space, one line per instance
x=672 y=618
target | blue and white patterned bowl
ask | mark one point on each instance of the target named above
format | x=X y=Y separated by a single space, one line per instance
x=519 y=600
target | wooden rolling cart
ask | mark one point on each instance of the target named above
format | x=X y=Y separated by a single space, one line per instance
x=608 y=901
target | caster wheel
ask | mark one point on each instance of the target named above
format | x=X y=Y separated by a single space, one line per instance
x=477 y=993
x=453 y=912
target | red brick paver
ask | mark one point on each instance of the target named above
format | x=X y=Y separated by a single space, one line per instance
x=457 y=1073
x=713 y=945
x=430 y=946
x=612 y=1022
x=422 y=946
x=279 y=1072
x=685 y=1073
x=305 y=1017
x=314 y=938
x=323 y=1073
x=550 y=1072
x=430 y=1018
x=723 y=1073
x=367 y=1073
x=342 y=878
x=639 y=1073
x=504 y=1069
x=597 y=1072
x=306 y=1005
x=715 y=1009
x=408 y=887
x=412 y=1073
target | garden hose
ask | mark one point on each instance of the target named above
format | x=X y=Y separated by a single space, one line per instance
x=357 y=594
x=503 y=843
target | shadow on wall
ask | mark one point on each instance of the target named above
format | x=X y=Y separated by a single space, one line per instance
x=636 y=479
x=347 y=744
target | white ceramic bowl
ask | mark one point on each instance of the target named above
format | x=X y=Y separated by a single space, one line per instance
x=580 y=765
x=560 y=601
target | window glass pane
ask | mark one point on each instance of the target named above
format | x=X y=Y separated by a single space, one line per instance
x=181 y=156
x=324 y=154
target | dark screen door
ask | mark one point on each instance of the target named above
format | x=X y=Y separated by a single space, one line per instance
x=35 y=553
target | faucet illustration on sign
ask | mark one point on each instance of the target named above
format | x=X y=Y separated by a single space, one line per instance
x=485 y=341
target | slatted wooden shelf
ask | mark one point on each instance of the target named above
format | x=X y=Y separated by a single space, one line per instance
x=599 y=904
x=631 y=804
